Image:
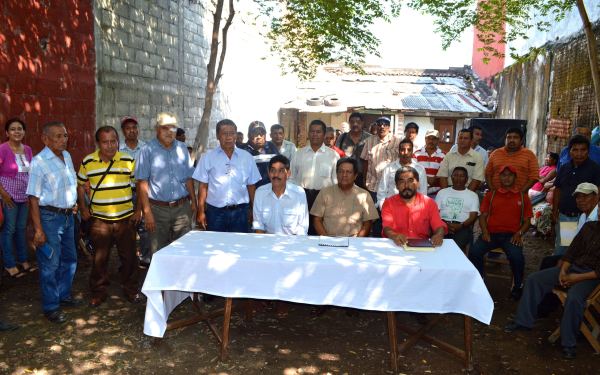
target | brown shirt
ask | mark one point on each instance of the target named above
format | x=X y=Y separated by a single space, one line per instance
x=344 y=213
x=584 y=251
x=379 y=153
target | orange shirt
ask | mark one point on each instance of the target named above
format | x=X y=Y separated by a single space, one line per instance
x=523 y=160
x=416 y=220
x=505 y=213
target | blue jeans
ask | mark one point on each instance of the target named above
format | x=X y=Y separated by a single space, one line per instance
x=13 y=234
x=222 y=220
x=57 y=259
x=560 y=250
x=514 y=254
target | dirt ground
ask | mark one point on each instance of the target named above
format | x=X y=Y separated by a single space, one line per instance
x=109 y=339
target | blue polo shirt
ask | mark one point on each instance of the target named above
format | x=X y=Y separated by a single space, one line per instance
x=166 y=170
x=567 y=179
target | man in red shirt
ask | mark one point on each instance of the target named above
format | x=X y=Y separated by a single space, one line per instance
x=410 y=214
x=505 y=216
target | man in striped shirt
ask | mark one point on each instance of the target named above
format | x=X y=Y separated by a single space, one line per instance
x=429 y=157
x=110 y=174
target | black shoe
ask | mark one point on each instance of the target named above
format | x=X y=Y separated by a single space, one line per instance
x=516 y=293
x=56 y=316
x=5 y=326
x=569 y=352
x=71 y=302
x=513 y=327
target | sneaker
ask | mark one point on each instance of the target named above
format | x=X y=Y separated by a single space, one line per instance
x=56 y=316
x=514 y=326
x=569 y=352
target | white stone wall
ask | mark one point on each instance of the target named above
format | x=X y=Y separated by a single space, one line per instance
x=151 y=57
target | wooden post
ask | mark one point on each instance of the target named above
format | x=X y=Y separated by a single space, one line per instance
x=392 y=333
x=468 y=343
x=226 y=320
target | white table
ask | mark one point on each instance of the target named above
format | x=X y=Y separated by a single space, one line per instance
x=369 y=274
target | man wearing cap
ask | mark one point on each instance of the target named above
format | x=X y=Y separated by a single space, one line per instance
x=463 y=156
x=515 y=154
x=313 y=166
x=344 y=209
x=261 y=150
x=505 y=217
x=387 y=185
x=52 y=191
x=429 y=157
x=164 y=184
x=580 y=169
x=132 y=146
x=579 y=271
x=228 y=178
x=284 y=147
x=411 y=131
x=353 y=142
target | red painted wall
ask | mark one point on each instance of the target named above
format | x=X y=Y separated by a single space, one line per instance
x=47 y=69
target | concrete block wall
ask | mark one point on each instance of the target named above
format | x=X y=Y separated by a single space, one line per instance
x=151 y=57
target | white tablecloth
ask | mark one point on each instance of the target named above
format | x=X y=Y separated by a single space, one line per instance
x=370 y=274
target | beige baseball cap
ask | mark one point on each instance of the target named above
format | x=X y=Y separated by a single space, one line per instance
x=586 y=188
x=165 y=119
x=432 y=133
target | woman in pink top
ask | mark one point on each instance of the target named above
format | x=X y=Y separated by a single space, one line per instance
x=538 y=190
x=15 y=158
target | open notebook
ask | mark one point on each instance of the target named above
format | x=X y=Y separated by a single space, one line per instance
x=419 y=245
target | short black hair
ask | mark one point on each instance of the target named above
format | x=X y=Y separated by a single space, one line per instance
x=105 y=129
x=330 y=129
x=52 y=124
x=579 y=139
x=460 y=168
x=225 y=122
x=406 y=140
x=280 y=159
x=347 y=160
x=515 y=130
x=10 y=121
x=554 y=156
x=405 y=169
x=469 y=131
x=318 y=122
x=180 y=132
x=412 y=125
x=355 y=114
x=277 y=127
x=473 y=127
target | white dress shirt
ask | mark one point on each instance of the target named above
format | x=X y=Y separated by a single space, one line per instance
x=287 y=214
x=227 y=179
x=387 y=185
x=314 y=170
x=583 y=218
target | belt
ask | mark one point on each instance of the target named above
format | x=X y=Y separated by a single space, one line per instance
x=64 y=211
x=176 y=203
x=231 y=207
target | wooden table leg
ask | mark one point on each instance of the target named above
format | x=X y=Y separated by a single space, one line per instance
x=468 y=343
x=392 y=333
x=226 y=320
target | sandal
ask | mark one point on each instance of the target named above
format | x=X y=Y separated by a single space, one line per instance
x=29 y=268
x=15 y=274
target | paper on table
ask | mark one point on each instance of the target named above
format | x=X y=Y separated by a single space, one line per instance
x=568 y=230
x=334 y=241
x=419 y=245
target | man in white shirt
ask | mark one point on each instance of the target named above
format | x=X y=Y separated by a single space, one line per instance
x=477 y=132
x=459 y=208
x=313 y=166
x=280 y=207
x=387 y=185
x=463 y=156
x=285 y=147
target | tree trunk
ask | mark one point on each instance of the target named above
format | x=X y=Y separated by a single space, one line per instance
x=213 y=72
x=592 y=52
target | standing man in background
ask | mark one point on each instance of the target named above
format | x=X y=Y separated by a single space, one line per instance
x=353 y=142
x=285 y=147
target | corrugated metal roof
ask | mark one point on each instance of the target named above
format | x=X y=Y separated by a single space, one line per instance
x=439 y=93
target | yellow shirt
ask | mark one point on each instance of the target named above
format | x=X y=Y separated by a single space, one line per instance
x=113 y=198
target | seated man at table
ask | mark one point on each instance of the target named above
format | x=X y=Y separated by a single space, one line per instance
x=344 y=209
x=410 y=214
x=505 y=217
x=280 y=207
x=579 y=271
x=459 y=208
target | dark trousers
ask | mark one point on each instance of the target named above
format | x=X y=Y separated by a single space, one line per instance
x=462 y=238
x=514 y=254
x=104 y=234
x=311 y=195
x=541 y=283
x=377 y=226
x=227 y=220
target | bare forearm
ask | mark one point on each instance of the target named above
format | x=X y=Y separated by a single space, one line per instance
x=189 y=185
x=202 y=194
x=34 y=209
x=142 y=190
x=318 y=224
x=365 y=229
x=443 y=182
x=474 y=185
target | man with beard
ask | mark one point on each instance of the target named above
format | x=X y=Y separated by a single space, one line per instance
x=505 y=217
x=410 y=214
x=344 y=209
x=515 y=154
x=387 y=185
x=280 y=207
x=261 y=150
